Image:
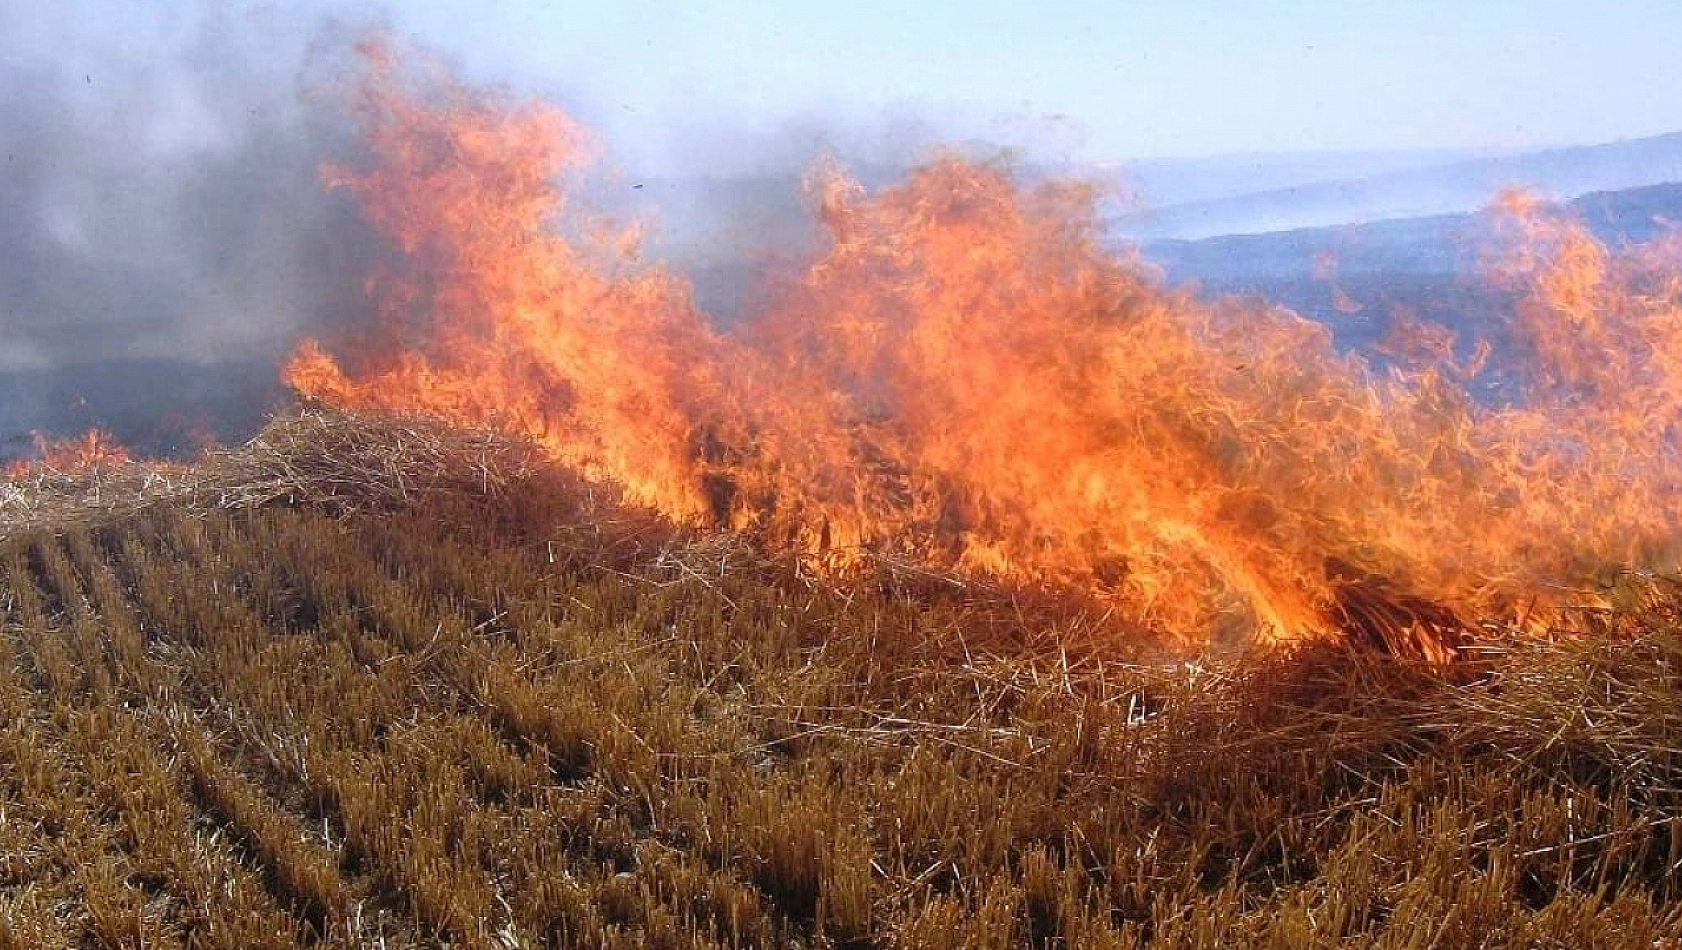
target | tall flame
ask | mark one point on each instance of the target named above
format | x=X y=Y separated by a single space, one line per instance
x=967 y=375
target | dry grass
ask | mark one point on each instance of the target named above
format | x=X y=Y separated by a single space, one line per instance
x=315 y=456
x=398 y=687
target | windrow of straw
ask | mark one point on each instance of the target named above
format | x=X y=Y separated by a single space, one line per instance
x=340 y=461
x=350 y=462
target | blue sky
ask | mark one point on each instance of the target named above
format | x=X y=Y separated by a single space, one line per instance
x=1105 y=80
x=1078 y=78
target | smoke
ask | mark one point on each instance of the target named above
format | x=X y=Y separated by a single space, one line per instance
x=725 y=199
x=160 y=180
x=165 y=235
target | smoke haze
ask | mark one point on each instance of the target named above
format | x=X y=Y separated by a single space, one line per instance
x=165 y=235
x=162 y=190
x=162 y=196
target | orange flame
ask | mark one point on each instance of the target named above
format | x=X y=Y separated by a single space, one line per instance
x=518 y=328
x=93 y=449
x=968 y=376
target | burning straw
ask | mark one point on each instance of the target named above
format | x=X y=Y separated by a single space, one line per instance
x=968 y=378
x=369 y=461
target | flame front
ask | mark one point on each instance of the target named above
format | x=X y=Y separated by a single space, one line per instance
x=93 y=449
x=967 y=376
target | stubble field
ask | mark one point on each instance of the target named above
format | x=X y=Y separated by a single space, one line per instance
x=517 y=716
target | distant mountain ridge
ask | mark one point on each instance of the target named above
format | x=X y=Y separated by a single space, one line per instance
x=1452 y=188
x=1442 y=243
x=1356 y=277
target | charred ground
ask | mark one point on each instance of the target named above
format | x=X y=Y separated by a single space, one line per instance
x=345 y=706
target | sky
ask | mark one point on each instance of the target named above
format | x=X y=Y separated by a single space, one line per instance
x=1083 y=79
x=1102 y=80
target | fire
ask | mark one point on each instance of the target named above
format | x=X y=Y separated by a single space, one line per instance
x=968 y=375
x=93 y=449
x=517 y=325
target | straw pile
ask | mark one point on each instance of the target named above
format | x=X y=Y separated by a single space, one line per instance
x=351 y=462
x=343 y=462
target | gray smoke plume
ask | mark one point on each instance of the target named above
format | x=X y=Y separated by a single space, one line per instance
x=161 y=208
x=165 y=235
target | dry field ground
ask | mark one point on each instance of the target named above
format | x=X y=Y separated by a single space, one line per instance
x=303 y=700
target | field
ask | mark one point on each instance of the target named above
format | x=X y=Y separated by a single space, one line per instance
x=495 y=710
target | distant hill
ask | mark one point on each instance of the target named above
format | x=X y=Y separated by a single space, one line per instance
x=1355 y=276
x=1451 y=188
x=1434 y=243
x=1165 y=182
